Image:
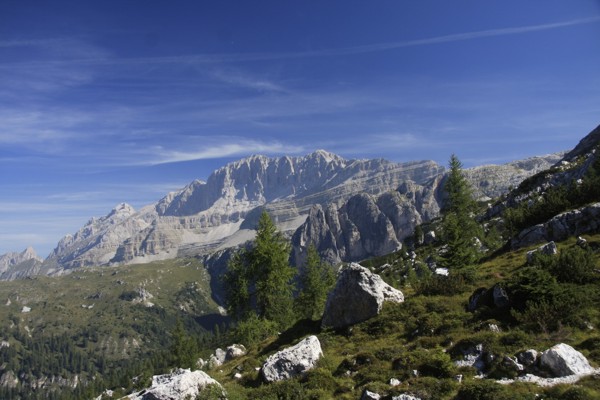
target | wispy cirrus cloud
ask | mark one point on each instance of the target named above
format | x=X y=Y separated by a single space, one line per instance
x=160 y=155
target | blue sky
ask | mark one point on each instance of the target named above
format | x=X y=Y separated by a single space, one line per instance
x=111 y=101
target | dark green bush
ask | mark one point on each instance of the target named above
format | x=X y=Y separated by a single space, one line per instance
x=485 y=389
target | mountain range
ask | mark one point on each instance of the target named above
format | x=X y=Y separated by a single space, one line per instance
x=350 y=209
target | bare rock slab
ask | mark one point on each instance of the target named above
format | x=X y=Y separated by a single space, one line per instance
x=358 y=295
x=292 y=361
x=180 y=384
x=564 y=360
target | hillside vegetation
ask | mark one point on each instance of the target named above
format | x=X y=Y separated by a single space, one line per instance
x=472 y=304
x=77 y=334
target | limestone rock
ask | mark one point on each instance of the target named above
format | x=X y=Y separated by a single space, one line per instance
x=500 y=296
x=512 y=363
x=476 y=357
x=548 y=249
x=528 y=357
x=357 y=296
x=405 y=396
x=477 y=299
x=564 y=360
x=368 y=395
x=177 y=385
x=9 y=380
x=570 y=223
x=235 y=351
x=292 y=361
x=369 y=207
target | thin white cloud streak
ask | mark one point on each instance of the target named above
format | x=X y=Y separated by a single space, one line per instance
x=237 y=57
x=244 y=147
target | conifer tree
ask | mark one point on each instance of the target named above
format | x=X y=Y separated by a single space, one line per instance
x=316 y=279
x=459 y=228
x=183 y=347
x=260 y=279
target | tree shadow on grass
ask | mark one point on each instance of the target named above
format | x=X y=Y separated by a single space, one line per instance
x=294 y=334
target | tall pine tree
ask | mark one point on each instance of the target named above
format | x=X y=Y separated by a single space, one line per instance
x=260 y=280
x=459 y=228
x=316 y=279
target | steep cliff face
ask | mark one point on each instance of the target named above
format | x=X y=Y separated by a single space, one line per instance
x=367 y=225
x=363 y=228
x=355 y=209
x=207 y=216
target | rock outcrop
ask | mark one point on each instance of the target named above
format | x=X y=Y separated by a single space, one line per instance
x=564 y=360
x=357 y=296
x=566 y=364
x=180 y=384
x=561 y=227
x=292 y=361
x=235 y=351
x=548 y=249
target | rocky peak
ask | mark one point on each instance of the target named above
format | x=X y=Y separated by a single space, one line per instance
x=10 y=259
x=121 y=211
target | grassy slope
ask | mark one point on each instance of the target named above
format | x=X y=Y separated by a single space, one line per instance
x=424 y=333
x=93 y=303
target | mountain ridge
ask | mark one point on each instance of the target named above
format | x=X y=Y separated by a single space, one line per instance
x=220 y=212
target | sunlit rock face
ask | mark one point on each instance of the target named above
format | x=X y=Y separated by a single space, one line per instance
x=351 y=209
x=222 y=212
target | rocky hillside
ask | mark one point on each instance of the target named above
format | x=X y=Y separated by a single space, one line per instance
x=373 y=225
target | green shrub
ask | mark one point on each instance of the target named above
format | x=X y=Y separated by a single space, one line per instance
x=428 y=388
x=568 y=392
x=485 y=389
x=574 y=265
x=320 y=379
x=434 y=362
x=253 y=330
x=283 y=390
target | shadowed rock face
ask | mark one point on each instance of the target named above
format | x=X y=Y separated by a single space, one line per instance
x=358 y=295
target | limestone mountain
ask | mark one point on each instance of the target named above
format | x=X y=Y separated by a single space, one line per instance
x=16 y=265
x=355 y=208
x=370 y=225
x=207 y=216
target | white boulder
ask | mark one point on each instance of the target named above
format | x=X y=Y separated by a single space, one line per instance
x=358 y=295
x=564 y=360
x=549 y=249
x=405 y=397
x=292 y=361
x=368 y=395
x=235 y=351
x=180 y=384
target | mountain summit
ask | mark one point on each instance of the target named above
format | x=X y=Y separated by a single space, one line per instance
x=356 y=208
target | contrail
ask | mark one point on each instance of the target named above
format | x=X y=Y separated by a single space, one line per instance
x=237 y=57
